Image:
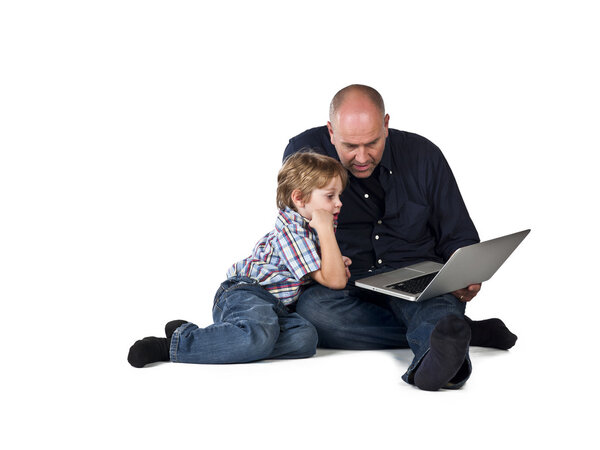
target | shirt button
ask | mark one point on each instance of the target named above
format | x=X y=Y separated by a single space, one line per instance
x=379 y=261
x=379 y=222
x=366 y=195
x=376 y=236
x=390 y=172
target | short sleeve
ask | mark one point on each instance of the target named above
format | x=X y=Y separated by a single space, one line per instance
x=298 y=251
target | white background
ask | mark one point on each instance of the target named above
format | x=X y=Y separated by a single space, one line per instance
x=140 y=142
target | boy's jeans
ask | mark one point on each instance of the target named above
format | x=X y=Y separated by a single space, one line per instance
x=249 y=324
x=356 y=319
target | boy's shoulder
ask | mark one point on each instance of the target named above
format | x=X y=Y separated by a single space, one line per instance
x=290 y=220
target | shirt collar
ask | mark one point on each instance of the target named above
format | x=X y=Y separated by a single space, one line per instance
x=386 y=159
x=288 y=216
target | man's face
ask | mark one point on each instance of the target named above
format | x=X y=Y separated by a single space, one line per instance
x=359 y=138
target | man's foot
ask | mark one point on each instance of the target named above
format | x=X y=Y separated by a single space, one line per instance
x=148 y=350
x=491 y=333
x=171 y=326
x=449 y=344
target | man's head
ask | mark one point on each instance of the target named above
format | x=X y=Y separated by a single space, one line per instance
x=308 y=181
x=358 y=128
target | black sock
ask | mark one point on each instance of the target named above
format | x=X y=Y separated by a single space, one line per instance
x=148 y=350
x=171 y=326
x=491 y=333
x=448 y=349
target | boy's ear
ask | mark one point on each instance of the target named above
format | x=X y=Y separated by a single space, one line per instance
x=297 y=198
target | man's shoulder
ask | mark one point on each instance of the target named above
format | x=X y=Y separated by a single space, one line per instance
x=412 y=139
x=412 y=144
x=313 y=133
x=316 y=139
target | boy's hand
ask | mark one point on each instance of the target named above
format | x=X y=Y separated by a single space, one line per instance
x=347 y=262
x=321 y=220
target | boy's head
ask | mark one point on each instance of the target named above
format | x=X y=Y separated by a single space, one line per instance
x=305 y=172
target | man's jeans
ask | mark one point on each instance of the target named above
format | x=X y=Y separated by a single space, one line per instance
x=356 y=319
x=249 y=324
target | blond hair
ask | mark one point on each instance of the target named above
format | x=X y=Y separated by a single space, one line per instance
x=306 y=171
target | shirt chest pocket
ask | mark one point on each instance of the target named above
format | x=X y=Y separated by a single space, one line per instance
x=411 y=221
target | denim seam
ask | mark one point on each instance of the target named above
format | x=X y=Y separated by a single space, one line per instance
x=174 y=345
x=175 y=341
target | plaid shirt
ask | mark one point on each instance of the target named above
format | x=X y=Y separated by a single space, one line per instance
x=281 y=260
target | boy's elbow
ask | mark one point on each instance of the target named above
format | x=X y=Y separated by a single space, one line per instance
x=337 y=284
x=327 y=280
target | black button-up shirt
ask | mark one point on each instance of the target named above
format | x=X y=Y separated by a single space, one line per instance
x=409 y=210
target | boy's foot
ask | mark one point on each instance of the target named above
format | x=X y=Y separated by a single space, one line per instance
x=491 y=333
x=171 y=326
x=448 y=350
x=148 y=350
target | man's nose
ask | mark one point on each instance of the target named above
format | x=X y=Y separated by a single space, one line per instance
x=362 y=155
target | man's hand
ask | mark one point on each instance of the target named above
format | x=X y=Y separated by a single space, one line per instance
x=467 y=294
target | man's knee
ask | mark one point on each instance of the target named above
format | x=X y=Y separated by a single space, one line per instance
x=318 y=301
x=449 y=304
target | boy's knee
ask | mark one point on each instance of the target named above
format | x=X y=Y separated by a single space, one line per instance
x=258 y=343
x=307 y=339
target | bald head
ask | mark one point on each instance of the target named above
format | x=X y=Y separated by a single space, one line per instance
x=358 y=128
x=359 y=97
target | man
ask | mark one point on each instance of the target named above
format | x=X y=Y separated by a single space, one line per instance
x=402 y=205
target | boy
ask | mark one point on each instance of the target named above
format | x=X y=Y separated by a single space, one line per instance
x=251 y=316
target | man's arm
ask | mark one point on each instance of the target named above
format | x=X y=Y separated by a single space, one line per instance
x=333 y=271
x=450 y=219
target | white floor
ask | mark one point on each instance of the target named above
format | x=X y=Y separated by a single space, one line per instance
x=83 y=394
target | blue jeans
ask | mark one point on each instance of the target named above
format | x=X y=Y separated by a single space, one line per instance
x=356 y=319
x=249 y=324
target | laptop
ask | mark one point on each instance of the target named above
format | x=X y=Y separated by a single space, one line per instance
x=468 y=265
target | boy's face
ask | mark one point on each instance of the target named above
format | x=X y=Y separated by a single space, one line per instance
x=327 y=198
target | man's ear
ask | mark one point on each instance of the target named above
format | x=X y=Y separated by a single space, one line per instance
x=330 y=129
x=297 y=198
x=386 y=122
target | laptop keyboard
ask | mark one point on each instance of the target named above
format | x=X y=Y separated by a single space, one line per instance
x=414 y=285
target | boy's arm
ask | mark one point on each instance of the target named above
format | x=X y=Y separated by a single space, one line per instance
x=333 y=272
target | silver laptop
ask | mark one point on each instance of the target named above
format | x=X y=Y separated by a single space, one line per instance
x=468 y=265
